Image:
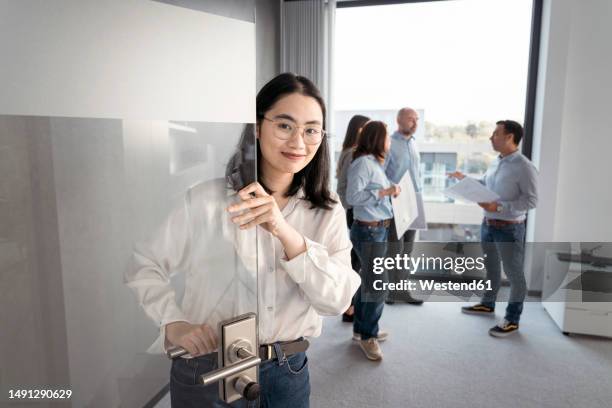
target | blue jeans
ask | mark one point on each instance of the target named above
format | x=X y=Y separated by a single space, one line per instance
x=505 y=245
x=369 y=303
x=284 y=383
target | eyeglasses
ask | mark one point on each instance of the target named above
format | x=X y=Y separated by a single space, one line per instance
x=285 y=129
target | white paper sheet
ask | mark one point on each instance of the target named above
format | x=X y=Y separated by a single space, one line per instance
x=405 y=205
x=420 y=223
x=471 y=190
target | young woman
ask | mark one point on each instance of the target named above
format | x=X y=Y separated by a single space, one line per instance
x=369 y=192
x=303 y=252
x=344 y=161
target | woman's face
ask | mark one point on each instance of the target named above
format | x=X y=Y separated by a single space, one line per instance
x=303 y=114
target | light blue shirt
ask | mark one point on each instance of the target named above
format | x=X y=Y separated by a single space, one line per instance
x=403 y=157
x=366 y=176
x=514 y=179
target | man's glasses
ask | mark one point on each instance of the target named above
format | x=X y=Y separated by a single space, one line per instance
x=285 y=129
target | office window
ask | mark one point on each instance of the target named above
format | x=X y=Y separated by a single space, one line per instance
x=463 y=65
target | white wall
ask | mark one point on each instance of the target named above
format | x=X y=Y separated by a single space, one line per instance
x=572 y=144
x=585 y=193
x=130 y=59
x=267 y=27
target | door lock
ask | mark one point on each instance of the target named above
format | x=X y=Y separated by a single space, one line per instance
x=238 y=360
x=246 y=387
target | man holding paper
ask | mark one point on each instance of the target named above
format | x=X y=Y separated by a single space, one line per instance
x=513 y=178
x=403 y=159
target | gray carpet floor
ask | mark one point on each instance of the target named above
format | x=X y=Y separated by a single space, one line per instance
x=437 y=357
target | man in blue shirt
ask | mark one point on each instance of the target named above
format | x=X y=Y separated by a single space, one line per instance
x=514 y=178
x=403 y=157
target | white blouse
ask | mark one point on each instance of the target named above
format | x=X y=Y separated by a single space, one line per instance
x=229 y=271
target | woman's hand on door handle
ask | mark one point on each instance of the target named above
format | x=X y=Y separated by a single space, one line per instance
x=197 y=339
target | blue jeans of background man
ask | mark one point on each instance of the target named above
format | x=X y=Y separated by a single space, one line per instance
x=505 y=244
x=284 y=383
x=369 y=243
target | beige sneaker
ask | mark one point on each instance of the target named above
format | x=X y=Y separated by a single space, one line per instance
x=371 y=348
x=382 y=336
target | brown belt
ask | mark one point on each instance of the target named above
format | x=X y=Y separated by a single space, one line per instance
x=501 y=223
x=289 y=348
x=383 y=223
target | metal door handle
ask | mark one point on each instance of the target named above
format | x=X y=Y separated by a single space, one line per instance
x=230 y=370
x=175 y=352
x=238 y=359
x=239 y=351
x=248 y=360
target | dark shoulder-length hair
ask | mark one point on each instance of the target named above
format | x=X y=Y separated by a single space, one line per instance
x=352 y=131
x=314 y=177
x=372 y=140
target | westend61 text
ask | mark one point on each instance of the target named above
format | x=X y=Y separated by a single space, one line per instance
x=431 y=285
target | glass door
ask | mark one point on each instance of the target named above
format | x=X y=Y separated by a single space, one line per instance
x=119 y=152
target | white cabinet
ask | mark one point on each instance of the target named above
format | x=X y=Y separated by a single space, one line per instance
x=575 y=310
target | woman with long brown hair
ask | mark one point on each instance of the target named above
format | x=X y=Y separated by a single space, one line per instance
x=369 y=192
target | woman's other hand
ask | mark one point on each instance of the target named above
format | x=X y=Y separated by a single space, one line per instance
x=197 y=339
